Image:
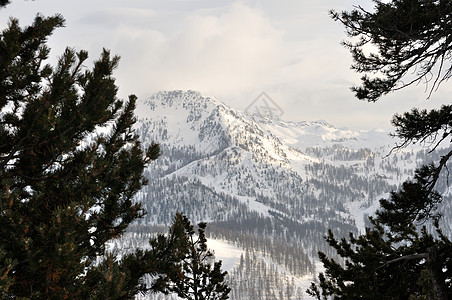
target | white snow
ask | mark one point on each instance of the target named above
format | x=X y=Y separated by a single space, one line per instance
x=227 y=253
x=256 y=142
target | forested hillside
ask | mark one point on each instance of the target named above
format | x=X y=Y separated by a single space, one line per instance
x=269 y=187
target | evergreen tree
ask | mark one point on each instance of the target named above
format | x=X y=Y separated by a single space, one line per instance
x=70 y=165
x=398 y=258
x=412 y=42
x=195 y=275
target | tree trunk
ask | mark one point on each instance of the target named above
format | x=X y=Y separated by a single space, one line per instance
x=435 y=269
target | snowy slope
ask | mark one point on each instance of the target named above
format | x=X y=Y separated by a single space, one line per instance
x=264 y=184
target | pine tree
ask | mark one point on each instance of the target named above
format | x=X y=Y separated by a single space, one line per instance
x=195 y=276
x=70 y=165
x=398 y=258
x=412 y=44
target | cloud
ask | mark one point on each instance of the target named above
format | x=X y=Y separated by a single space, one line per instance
x=237 y=51
x=229 y=49
x=232 y=51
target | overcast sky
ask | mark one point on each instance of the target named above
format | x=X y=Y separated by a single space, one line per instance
x=231 y=50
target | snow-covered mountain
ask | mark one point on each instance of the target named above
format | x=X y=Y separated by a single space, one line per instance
x=269 y=187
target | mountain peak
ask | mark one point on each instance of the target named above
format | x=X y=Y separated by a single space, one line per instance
x=253 y=176
x=199 y=120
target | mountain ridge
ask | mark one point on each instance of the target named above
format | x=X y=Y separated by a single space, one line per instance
x=211 y=131
x=263 y=181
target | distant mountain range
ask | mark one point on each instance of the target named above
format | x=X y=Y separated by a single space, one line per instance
x=267 y=187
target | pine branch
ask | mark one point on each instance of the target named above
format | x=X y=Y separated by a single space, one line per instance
x=404 y=258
